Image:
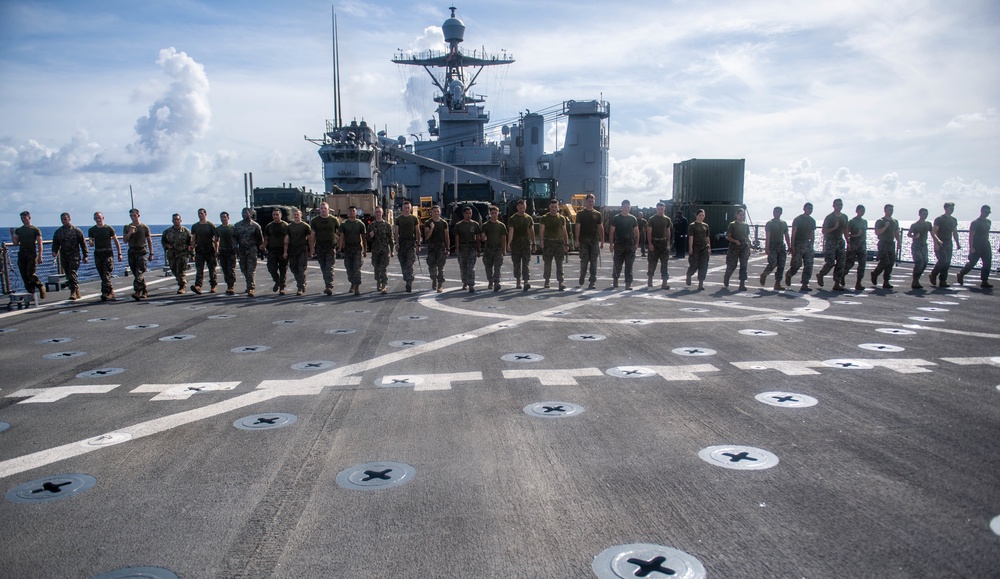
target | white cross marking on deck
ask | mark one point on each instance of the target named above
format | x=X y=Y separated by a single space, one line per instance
x=183 y=391
x=553 y=377
x=975 y=361
x=59 y=392
x=422 y=382
x=677 y=373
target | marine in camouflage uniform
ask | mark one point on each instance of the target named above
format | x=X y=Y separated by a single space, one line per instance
x=176 y=242
x=803 y=247
x=352 y=244
x=249 y=240
x=324 y=237
x=979 y=249
x=225 y=240
x=738 y=253
x=204 y=252
x=659 y=231
x=494 y=248
x=589 y=239
x=624 y=236
x=834 y=246
x=775 y=244
x=887 y=230
x=699 y=248
x=101 y=236
x=28 y=239
x=139 y=239
x=276 y=240
x=552 y=230
x=521 y=240
x=945 y=230
x=857 y=247
x=299 y=239
x=919 y=232
x=467 y=242
x=436 y=238
x=69 y=244
x=381 y=244
x=407 y=228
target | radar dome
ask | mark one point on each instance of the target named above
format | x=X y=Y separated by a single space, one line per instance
x=453 y=29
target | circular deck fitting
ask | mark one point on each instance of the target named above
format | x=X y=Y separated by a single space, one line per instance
x=786 y=399
x=250 y=349
x=222 y=316
x=160 y=302
x=738 y=457
x=629 y=372
x=807 y=310
x=376 y=475
x=7 y=330
x=785 y=320
x=925 y=319
x=601 y=302
x=108 y=439
x=637 y=322
x=933 y=309
x=4 y=426
x=98 y=320
x=729 y=303
x=411 y=318
x=55 y=341
x=758 y=333
x=406 y=343
x=496 y=307
x=178 y=338
x=995 y=525
x=142 y=326
x=313 y=365
x=265 y=421
x=646 y=560
x=847 y=364
x=61 y=355
x=100 y=373
x=312 y=305
x=693 y=351
x=522 y=357
x=552 y=409
x=51 y=488
x=881 y=347
x=559 y=314
x=695 y=310
x=747 y=295
x=895 y=331
x=847 y=303
x=587 y=337
x=285 y=322
x=73 y=312
x=356 y=312
x=945 y=303
x=138 y=573
x=399 y=381
x=340 y=332
x=194 y=308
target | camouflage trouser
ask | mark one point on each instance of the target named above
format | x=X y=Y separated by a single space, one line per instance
x=660 y=254
x=856 y=253
x=698 y=262
x=520 y=257
x=137 y=263
x=554 y=249
x=178 y=261
x=277 y=266
x=984 y=253
x=298 y=258
x=227 y=263
x=407 y=257
x=70 y=263
x=886 y=260
x=104 y=261
x=919 y=253
x=436 y=257
x=624 y=255
x=803 y=255
x=776 y=262
x=737 y=255
x=943 y=254
x=352 y=263
x=326 y=256
x=834 y=254
x=590 y=251
x=467 y=255
x=380 y=261
x=248 y=265
x=27 y=264
x=205 y=258
x=493 y=261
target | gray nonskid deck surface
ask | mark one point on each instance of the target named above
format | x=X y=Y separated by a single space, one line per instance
x=894 y=472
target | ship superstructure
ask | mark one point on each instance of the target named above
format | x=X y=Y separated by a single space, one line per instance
x=459 y=161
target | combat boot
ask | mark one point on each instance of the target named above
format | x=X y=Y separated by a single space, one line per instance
x=250 y=293
x=649 y=281
x=933 y=277
x=763 y=279
x=196 y=289
x=527 y=286
x=72 y=295
x=778 y=287
x=518 y=286
x=562 y=286
x=180 y=289
x=136 y=296
x=329 y=291
x=281 y=291
x=819 y=279
x=665 y=285
x=687 y=280
x=916 y=284
x=887 y=285
x=300 y=291
x=742 y=288
x=214 y=289
x=961 y=278
x=986 y=285
x=546 y=286
x=357 y=289
x=409 y=287
x=725 y=279
x=788 y=280
x=582 y=276
x=858 y=287
x=111 y=295
x=592 y=286
x=41 y=292
x=230 y=291
x=874 y=279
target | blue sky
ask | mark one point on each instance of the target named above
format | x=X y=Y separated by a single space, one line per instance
x=876 y=102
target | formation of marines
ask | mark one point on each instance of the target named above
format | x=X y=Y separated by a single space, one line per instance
x=289 y=245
